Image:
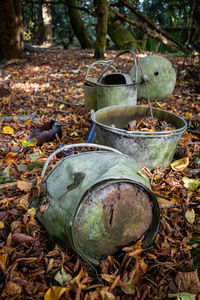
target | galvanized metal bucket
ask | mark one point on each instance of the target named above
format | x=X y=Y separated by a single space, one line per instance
x=119 y=88
x=90 y=87
x=149 y=149
x=98 y=202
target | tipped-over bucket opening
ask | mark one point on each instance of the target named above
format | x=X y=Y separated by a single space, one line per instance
x=112 y=215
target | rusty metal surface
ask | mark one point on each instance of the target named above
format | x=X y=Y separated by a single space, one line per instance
x=76 y=176
x=111 y=217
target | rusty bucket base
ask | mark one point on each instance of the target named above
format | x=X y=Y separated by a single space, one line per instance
x=111 y=217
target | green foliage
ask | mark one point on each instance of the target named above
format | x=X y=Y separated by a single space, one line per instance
x=36 y=165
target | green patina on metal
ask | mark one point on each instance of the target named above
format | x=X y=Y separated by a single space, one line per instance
x=161 y=77
x=149 y=149
x=99 y=202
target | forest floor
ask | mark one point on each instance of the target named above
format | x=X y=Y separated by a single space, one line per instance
x=49 y=85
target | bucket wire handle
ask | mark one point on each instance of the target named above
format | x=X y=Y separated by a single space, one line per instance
x=118 y=55
x=102 y=62
x=66 y=147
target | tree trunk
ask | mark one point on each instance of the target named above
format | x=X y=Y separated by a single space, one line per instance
x=77 y=25
x=151 y=24
x=154 y=33
x=11 y=29
x=102 y=25
x=47 y=23
x=121 y=36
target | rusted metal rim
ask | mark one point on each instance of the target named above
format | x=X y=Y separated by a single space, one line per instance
x=149 y=235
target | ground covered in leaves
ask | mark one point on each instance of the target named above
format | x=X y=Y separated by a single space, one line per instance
x=49 y=86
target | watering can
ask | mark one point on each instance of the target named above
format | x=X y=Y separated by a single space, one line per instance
x=90 y=87
x=97 y=202
x=117 y=88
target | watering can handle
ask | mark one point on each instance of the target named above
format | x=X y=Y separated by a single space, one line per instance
x=118 y=55
x=76 y=145
x=102 y=62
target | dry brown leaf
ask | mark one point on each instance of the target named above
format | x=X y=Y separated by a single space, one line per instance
x=44 y=207
x=180 y=164
x=190 y=216
x=188 y=282
x=105 y=295
x=163 y=203
x=24 y=185
x=12 y=289
x=22 y=238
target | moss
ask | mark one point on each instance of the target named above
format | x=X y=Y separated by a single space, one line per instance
x=36 y=164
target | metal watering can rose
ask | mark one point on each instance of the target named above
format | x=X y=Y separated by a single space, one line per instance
x=160 y=75
x=97 y=202
x=118 y=88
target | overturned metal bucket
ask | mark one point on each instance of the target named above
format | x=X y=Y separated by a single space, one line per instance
x=149 y=149
x=98 y=202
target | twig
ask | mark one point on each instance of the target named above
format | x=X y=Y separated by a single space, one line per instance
x=4 y=185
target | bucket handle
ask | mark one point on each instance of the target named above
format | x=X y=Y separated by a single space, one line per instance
x=118 y=55
x=66 y=147
x=102 y=62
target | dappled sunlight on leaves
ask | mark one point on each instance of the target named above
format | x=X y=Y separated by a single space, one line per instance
x=49 y=86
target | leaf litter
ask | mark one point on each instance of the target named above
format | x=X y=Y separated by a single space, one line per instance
x=34 y=267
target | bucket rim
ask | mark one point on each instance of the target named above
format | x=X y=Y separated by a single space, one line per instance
x=133 y=134
x=148 y=236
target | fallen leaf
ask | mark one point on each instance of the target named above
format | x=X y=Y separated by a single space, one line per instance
x=30 y=143
x=12 y=289
x=44 y=207
x=183 y=296
x=21 y=238
x=8 y=130
x=180 y=164
x=54 y=293
x=50 y=104
x=3 y=258
x=188 y=114
x=1 y=225
x=10 y=157
x=22 y=167
x=163 y=203
x=190 y=184
x=32 y=211
x=188 y=282
x=190 y=216
x=34 y=155
x=105 y=295
x=61 y=276
x=24 y=185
